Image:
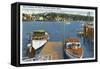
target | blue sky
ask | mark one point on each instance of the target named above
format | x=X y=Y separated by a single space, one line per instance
x=41 y=9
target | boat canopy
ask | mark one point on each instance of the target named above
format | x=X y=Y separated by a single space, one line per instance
x=39 y=31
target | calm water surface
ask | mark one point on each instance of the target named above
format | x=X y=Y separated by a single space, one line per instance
x=58 y=31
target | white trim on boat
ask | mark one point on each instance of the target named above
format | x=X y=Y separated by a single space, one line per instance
x=38 y=43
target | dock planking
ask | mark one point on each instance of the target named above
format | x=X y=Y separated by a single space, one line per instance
x=53 y=49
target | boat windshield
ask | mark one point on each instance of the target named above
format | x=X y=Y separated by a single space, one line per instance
x=70 y=45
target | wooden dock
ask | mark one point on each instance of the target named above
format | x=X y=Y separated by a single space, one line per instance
x=53 y=49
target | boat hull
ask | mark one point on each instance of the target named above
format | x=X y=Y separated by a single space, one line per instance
x=38 y=43
x=72 y=55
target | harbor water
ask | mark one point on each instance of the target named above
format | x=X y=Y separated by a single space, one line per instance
x=58 y=32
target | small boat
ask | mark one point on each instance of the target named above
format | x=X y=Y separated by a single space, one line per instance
x=73 y=48
x=38 y=39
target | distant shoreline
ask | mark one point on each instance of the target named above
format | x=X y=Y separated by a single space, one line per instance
x=57 y=21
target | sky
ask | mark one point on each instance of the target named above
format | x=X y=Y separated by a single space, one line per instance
x=41 y=9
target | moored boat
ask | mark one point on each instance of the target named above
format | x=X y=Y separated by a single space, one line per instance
x=73 y=48
x=38 y=39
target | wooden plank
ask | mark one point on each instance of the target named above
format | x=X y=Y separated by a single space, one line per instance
x=49 y=49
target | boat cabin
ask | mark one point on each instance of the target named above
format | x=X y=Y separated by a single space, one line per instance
x=39 y=33
x=72 y=43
